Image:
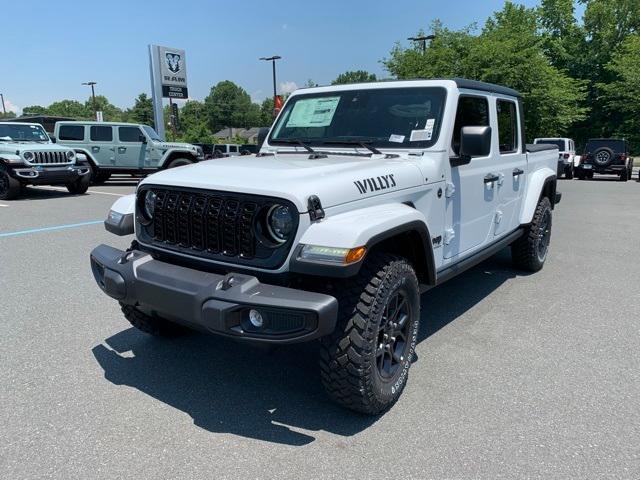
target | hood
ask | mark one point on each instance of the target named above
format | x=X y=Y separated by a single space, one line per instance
x=336 y=179
x=13 y=147
x=176 y=145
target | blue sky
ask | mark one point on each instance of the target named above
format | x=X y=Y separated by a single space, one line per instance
x=53 y=47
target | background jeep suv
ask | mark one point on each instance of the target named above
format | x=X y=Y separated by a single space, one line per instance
x=606 y=155
x=124 y=148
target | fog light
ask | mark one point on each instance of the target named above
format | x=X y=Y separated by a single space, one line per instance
x=255 y=317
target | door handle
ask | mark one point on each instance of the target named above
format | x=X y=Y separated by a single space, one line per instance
x=122 y=149
x=517 y=171
x=491 y=177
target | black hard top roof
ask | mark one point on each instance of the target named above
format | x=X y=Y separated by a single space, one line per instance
x=485 y=87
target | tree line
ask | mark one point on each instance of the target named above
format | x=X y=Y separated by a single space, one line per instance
x=580 y=77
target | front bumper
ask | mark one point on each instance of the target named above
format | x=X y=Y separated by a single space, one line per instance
x=49 y=175
x=211 y=302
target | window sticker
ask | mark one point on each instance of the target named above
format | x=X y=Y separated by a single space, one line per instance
x=313 y=112
x=396 y=138
x=423 y=135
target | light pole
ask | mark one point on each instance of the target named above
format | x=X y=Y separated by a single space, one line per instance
x=93 y=97
x=4 y=110
x=273 y=64
x=423 y=40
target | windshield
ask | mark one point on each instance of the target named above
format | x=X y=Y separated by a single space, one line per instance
x=548 y=141
x=151 y=133
x=22 y=133
x=618 y=146
x=382 y=118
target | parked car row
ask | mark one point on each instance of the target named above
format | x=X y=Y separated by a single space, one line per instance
x=221 y=150
x=601 y=155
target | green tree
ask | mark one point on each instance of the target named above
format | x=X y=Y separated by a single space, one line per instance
x=228 y=105
x=354 y=76
x=35 y=110
x=142 y=111
x=110 y=112
x=621 y=96
x=266 y=112
x=7 y=115
x=69 y=108
x=509 y=51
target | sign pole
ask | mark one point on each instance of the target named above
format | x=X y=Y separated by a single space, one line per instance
x=156 y=90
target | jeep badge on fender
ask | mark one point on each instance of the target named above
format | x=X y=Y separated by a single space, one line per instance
x=331 y=232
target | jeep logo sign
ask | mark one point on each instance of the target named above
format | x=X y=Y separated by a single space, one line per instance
x=173 y=72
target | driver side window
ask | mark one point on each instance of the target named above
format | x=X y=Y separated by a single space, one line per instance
x=472 y=112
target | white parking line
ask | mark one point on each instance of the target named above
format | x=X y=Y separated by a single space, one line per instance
x=1 y=205
x=62 y=189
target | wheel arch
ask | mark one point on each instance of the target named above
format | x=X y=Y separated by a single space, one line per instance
x=171 y=155
x=543 y=183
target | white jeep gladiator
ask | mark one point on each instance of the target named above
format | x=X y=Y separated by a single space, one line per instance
x=361 y=198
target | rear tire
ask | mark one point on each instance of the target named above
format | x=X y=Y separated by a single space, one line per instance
x=624 y=176
x=156 y=326
x=9 y=187
x=569 y=172
x=529 y=252
x=364 y=363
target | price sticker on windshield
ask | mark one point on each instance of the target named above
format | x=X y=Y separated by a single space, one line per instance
x=313 y=112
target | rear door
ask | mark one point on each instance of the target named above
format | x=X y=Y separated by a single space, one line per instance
x=130 y=149
x=101 y=145
x=472 y=195
x=513 y=165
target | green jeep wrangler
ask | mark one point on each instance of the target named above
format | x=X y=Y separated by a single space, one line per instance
x=113 y=147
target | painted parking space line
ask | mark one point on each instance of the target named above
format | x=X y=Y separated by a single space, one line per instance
x=49 y=229
x=1 y=205
x=62 y=189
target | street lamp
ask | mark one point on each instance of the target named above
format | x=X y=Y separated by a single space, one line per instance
x=423 y=40
x=273 y=64
x=93 y=97
x=4 y=110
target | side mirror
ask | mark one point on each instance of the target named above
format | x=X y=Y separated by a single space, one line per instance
x=475 y=142
x=53 y=139
x=262 y=136
x=142 y=138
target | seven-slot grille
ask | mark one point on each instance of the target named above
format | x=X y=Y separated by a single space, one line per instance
x=206 y=223
x=50 y=157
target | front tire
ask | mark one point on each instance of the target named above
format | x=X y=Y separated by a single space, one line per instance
x=529 y=252
x=9 y=186
x=79 y=186
x=156 y=326
x=364 y=363
x=179 y=162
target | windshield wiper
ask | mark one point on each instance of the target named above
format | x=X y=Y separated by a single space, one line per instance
x=297 y=141
x=361 y=143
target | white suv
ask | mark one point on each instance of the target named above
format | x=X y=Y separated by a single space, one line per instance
x=567 y=158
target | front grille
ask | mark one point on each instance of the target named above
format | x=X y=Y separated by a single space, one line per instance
x=213 y=225
x=45 y=158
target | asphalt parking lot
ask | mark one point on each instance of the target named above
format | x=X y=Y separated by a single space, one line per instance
x=517 y=376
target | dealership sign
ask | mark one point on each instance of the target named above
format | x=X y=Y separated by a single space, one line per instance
x=173 y=72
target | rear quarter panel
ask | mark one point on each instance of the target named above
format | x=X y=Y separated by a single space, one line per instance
x=541 y=167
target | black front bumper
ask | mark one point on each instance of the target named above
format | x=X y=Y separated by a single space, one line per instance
x=211 y=302
x=49 y=175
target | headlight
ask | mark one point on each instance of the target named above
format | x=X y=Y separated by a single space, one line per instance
x=28 y=156
x=71 y=155
x=280 y=223
x=149 y=204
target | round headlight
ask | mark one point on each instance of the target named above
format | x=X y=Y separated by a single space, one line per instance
x=280 y=223
x=149 y=204
x=71 y=155
x=28 y=156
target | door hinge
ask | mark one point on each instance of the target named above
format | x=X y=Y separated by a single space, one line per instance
x=449 y=235
x=449 y=190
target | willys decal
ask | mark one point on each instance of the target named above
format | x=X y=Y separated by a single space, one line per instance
x=375 y=184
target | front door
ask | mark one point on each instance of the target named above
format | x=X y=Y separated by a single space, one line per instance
x=472 y=191
x=130 y=148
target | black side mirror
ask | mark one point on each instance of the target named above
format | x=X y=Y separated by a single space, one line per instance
x=142 y=138
x=53 y=139
x=262 y=136
x=475 y=142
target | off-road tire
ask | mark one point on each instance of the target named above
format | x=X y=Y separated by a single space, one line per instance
x=156 y=326
x=526 y=251
x=349 y=357
x=179 y=162
x=98 y=176
x=624 y=176
x=569 y=172
x=9 y=186
x=79 y=186
x=580 y=175
x=603 y=156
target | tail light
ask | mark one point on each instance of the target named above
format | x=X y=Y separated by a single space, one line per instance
x=566 y=155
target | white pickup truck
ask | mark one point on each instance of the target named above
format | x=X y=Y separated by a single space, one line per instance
x=361 y=198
